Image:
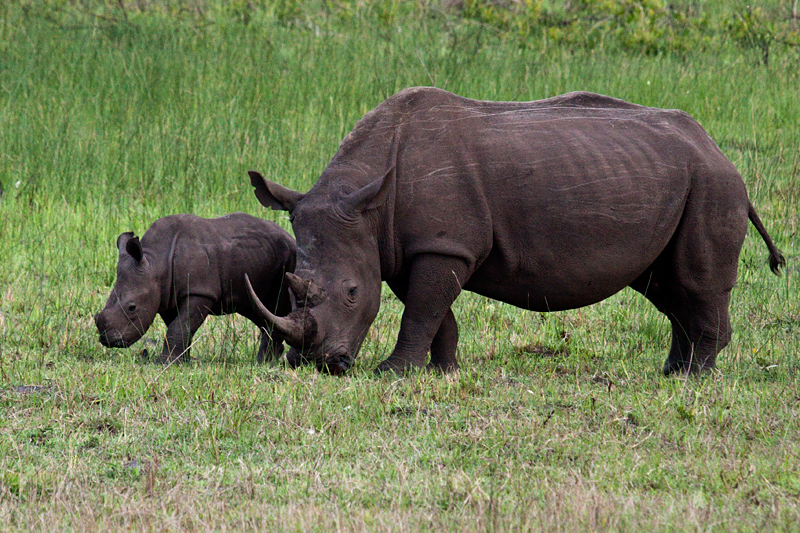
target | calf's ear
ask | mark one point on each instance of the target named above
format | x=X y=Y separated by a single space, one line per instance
x=372 y=195
x=123 y=239
x=134 y=249
x=272 y=195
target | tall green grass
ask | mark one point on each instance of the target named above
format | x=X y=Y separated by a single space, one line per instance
x=556 y=422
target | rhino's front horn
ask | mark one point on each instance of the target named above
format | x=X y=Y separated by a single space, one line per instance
x=292 y=330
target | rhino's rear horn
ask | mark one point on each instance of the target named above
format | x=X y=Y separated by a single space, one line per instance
x=298 y=286
x=291 y=330
x=306 y=292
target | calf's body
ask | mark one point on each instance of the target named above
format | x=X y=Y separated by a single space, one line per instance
x=186 y=268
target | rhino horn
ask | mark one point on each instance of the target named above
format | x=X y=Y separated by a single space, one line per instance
x=297 y=285
x=306 y=292
x=290 y=329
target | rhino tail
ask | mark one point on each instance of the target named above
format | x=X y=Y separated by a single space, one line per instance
x=776 y=259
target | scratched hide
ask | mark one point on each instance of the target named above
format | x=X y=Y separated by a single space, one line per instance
x=546 y=205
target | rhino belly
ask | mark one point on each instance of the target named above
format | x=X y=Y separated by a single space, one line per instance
x=547 y=289
x=557 y=270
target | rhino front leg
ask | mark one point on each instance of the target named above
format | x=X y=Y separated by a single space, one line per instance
x=443 y=347
x=190 y=316
x=434 y=283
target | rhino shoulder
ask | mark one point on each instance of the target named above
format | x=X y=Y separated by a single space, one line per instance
x=162 y=233
x=171 y=224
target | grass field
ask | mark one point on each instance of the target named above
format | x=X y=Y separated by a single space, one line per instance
x=557 y=422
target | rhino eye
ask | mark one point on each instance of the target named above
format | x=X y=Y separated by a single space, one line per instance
x=351 y=289
x=131 y=307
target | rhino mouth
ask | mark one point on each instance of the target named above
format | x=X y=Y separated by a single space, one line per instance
x=335 y=364
x=113 y=340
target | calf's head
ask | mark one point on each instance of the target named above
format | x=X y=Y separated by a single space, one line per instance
x=134 y=300
x=337 y=281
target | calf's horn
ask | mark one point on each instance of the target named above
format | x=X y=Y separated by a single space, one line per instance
x=291 y=330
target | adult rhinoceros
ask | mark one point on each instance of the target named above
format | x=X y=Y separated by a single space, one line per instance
x=546 y=205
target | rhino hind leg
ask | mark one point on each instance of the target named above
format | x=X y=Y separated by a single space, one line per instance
x=699 y=333
x=700 y=320
x=691 y=280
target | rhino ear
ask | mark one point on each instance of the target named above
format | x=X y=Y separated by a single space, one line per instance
x=373 y=195
x=123 y=239
x=272 y=195
x=134 y=249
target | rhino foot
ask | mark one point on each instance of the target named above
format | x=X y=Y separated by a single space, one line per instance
x=401 y=366
x=451 y=366
x=167 y=359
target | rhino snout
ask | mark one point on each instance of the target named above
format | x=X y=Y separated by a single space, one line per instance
x=335 y=363
x=100 y=323
x=109 y=336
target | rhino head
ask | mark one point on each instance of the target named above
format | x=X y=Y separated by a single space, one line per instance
x=337 y=281
x=134 y=300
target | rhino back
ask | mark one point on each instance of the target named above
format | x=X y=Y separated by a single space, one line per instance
x=209 y=257
x=572 y=191
x=262 y=250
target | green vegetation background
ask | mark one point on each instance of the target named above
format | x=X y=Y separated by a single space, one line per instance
x=113 y=114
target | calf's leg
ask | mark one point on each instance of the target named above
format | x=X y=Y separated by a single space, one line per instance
x=190 y=316
x=270 y=348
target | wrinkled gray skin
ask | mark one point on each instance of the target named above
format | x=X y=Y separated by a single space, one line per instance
x=547 y=205
x=186 y=268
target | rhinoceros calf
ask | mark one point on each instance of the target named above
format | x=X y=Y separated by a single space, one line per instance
x=186 y=268
x=546 y=205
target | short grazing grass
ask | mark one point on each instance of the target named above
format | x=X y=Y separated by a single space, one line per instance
x=555 y=422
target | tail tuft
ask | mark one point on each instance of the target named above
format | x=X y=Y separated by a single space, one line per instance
x=776 y=259
x=776 y=262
